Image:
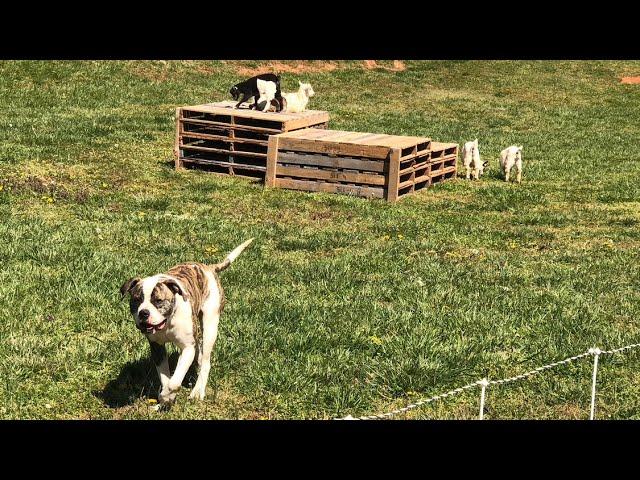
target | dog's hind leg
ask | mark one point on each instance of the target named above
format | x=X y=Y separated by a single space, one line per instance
x=210 y=322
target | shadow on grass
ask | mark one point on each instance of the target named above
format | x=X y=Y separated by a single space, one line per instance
x=167 y=164
x=137 y=380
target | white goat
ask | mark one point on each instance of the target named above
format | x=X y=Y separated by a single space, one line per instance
x=471 y=158
x=297 y=102
x=508 y=158
x=267 y=92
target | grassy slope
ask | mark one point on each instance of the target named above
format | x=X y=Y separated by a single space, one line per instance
x=342 y=305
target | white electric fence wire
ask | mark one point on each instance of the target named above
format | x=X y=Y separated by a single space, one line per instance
x=484 y=383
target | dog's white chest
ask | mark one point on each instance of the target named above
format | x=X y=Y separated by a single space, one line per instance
x=179 y=330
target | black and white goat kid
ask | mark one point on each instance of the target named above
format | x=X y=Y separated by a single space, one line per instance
x=263 y=88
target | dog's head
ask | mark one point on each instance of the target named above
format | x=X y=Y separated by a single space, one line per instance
x=307 y=89
x=152 y=300
x=235 y=92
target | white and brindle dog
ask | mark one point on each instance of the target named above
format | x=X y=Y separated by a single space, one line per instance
x=183 y=307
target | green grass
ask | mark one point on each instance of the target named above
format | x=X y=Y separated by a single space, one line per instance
x=342 y=305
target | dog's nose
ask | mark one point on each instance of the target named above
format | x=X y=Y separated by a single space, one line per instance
x=143 y=314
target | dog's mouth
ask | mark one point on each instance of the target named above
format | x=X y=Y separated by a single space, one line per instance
x=151 y=328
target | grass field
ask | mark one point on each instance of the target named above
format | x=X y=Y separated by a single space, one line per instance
x=341 y=305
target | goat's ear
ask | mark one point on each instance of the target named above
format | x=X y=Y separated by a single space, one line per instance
x=520 y=148
x=128 y=285
x=299 y=83
x=485 y=164
x=175 y=286
x=476 y=141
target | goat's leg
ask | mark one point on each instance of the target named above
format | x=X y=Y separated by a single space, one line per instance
x=244 y=98
x=519 y=171
x=468 y=171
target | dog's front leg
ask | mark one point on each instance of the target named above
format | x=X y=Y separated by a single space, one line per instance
x=161 y=361
x=168 y=395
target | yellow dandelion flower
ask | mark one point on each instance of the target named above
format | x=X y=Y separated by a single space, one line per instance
x=152 y=401
x=375 y=340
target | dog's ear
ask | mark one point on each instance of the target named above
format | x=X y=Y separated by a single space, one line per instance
x=128 y=285
x=175 y=286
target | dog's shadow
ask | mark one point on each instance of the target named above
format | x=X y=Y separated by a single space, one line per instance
x=137 y=380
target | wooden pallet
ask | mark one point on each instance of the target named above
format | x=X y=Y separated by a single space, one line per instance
x=223 y=139
x=444 y=161
x=355 y=163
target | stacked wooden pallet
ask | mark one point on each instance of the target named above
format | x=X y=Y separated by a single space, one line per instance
x=222 y=139
x=356 y=163
x=443 y=161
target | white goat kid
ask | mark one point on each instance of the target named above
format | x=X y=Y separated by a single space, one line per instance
x=297 y=102
x=267 y=93
x=471 y=158
x=508 y=158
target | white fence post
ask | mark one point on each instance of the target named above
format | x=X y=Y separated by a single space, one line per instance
x=596 y=354
x=484 y=382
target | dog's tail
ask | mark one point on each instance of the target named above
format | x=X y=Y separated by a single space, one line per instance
x=235 y=253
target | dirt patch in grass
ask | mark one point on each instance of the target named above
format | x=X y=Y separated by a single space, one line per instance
x=157 y=71
x=398 y=66
x=630 y=80
x=280 y=67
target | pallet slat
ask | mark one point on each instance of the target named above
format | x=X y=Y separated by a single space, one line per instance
x=310 y=186
x=319 y=174
x=332 y=162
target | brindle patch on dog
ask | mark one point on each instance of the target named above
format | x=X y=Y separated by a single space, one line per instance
x=192 y=276
x=163 y=299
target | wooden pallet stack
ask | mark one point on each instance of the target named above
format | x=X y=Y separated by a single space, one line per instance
x=356 y=163
x=220 y=138
x=443 y=161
